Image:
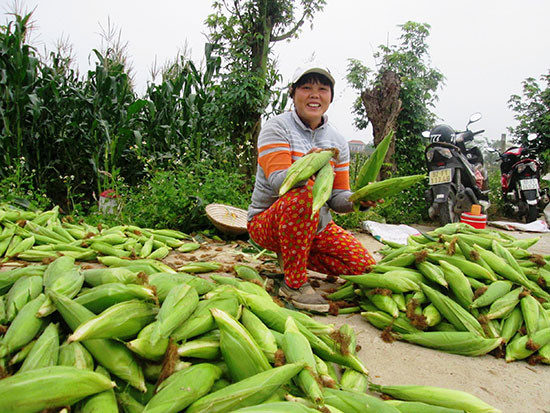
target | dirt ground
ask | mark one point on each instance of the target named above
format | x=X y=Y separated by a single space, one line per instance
x=515 y=387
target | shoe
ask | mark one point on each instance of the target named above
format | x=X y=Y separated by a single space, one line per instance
x=305 y=298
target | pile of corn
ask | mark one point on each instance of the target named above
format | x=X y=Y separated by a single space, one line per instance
x=139 y=336
x=460 y=290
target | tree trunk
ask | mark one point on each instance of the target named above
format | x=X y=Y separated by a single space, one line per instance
x=383 y=105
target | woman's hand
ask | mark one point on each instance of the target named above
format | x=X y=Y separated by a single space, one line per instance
x=370 y=204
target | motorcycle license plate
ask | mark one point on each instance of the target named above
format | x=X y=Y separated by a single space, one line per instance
x=527 y=184
x=441 y=176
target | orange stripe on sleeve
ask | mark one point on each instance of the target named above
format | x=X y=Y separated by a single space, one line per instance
x=341 y=180
x=274 y=161
x=273 y=146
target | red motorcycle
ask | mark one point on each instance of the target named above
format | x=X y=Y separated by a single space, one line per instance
x=520 y=183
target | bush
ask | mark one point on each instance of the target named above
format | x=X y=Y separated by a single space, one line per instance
x=176 y=199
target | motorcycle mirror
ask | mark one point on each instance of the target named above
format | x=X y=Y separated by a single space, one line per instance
x=531 y=137
x=474 y=117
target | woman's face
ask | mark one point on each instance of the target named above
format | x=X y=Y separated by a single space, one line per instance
x=311 y=101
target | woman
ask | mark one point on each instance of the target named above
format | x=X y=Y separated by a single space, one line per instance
x=284 y=224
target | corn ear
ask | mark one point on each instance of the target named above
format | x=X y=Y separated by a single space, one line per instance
x=303 y=168
x=521 y=347
x=322 y=188
x=530 y=312
x=438 y=396
x=458 y=283
x=354 y=402
x=243 y=356
x=464 y=343
x=49 y=387
x=122 y=321
x=45 y=351
x=104 y=401
x=24 y=327
x=386 y=188
x=98 y=299
x=75 y=355
x=22 y=291
x=297 y=349
x=111 y=354
x=371 y=168
x=183 y=388
x=493 y=292
x=144 y=347
x=180 y=302
x=247 y=392
x=395 y=281
x=453 y=312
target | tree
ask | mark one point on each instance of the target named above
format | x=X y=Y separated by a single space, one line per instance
x=382 y=97
x=244 y=32
x=533 y=114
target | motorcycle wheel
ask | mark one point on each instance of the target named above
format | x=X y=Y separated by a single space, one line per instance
x=446 y=211
x=532 y=213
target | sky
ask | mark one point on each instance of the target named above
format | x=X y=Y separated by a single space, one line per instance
x=485 y=49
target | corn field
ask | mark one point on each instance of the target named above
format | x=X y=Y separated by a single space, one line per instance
x=63 y=132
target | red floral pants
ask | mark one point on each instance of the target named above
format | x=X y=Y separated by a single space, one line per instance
x=287 y=228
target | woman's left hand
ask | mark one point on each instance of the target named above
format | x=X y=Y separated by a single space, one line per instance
x=370 y=204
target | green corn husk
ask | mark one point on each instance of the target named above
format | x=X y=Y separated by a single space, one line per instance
x=144 y=347
x=353 y=402
x=180 y=302
x=243 y=356
x=383 y=301
x=432 y=314
x=104 y=402
x=530 y=310
x=464 y=343
x=458 y=284
x=469 y=268
x=386 y=188
x=382 y=320
x=183 y=388
x=23 y=328
x=75 y=355
x=248 y=392
x=493 y=292
x=202 y=321
x=297 y=349
x=395 y=281
x=189 y=246
x=271 y=314
x=112 y=355
x=371 y=167
x=438 y=396
x=48 y=388
x=503 y=306
x=22 y=291
x=249 y=287
x=453 y=312
x=322 y=188
x=278 y=407
x=432 y=272
x=98 y=299
x=206 y=347
x=20 y=356
x=419 y=407
x=164 y=282
x=8 y=278
x=261 y=333
x=303 y=168
x=521 y=347
x=99 y=276
x=354 y=381
x=200 y=267
x=511 y=324
x=247 y=273
x=45 y=351
x=122 y=321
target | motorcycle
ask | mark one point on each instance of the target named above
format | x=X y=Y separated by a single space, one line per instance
x=457 y=177
x=520 y=182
